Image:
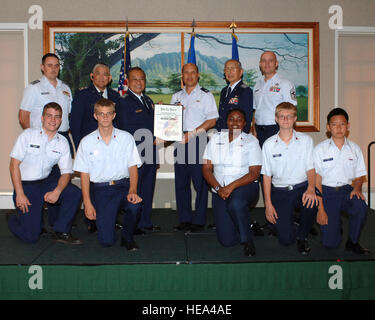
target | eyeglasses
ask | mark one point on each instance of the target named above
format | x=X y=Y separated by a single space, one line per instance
x=287 y=117
x=105 y=114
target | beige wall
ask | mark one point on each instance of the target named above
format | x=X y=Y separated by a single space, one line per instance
x=355 y=13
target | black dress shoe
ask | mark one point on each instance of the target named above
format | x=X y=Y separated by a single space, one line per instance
x=66 y=238
x=182 y=226
x=256 y=229
x=356 y=248
x=139 y=232
x=153 y=228
x=129 y=245
x=194 y=228
x=249 y=249
x=44 y=232
x=119 y=226
x=91 y=227
x=303 y=247
x=211 y=227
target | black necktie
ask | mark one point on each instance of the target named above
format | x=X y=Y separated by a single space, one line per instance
x=229 y=90
x=101 y=94
x=145 y=103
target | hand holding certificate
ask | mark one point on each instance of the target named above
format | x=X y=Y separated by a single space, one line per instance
x=168 y=122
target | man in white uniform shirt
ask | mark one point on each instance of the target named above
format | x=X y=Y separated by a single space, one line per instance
x=40 y=92
x=199 y=115
x=289 y=179
x=32 y=158
x=108 y=161
x=339 y=165
x=269 y=91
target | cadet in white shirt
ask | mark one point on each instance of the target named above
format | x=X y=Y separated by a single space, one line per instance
x=339 y=165
x=289 y=179
x=32 y=158
x=40 y=92
x=199 y=115
x=270 y=91
x=231 y=166
x=108 y=161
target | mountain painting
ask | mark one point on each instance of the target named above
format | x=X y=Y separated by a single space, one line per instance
x=160 y=56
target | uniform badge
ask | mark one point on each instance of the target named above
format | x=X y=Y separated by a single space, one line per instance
x=233 y=100
x=139 y=110
x=66 y=93
x=293 y=94
x=275 y=88
x=44 y=93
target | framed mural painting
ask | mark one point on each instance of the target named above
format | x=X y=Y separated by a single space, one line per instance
x=160 y=49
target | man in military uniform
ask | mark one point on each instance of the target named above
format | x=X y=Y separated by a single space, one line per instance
x=82 y=121
x=270 y=91
x=235 y=95
x=135 y=114
x=40 y=92
x=199 y=115
x=33 y=156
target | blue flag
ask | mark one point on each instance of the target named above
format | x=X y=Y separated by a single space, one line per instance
x=235 y=55
x=191 y=54
x=125 y=66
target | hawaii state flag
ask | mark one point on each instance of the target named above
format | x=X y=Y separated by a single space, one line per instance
x=235 y=55
x=191 y=54
x=125 y=66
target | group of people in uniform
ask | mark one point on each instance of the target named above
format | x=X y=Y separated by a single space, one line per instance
x=254 y=146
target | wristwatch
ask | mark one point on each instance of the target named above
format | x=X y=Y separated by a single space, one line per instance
x=217 y=188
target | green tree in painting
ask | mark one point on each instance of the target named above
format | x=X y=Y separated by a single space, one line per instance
x=250 y=77
x=174 y=82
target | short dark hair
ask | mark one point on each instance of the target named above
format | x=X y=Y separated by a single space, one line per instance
x=236 y=110
x=49 y=55
x=52 y=105
x=337 y=112
x=136 y=69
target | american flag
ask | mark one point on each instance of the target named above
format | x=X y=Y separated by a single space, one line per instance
x=125 y=66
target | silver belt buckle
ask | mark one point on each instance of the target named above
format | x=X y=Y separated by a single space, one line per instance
x=290 y=188
x=112 y=182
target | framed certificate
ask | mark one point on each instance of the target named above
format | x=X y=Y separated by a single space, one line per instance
x=168 y=122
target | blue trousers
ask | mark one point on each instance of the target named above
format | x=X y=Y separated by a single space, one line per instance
x=54 y=176
x=264 y=132
x=285 y=202
x=146 y=186
x=27 y=226
x=187 y=169
x=232 y=217
x=334 y=202
x=108 y=200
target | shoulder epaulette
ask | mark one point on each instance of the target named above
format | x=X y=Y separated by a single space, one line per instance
x=244 y=85
x=82 y=88
x=35 y=82
x=205 y=90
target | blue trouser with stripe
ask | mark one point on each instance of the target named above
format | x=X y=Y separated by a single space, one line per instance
x=187 y=169
x=232 y=217
x=285 y=202
x=27 y=226
x=107 y=201
x=336 y=200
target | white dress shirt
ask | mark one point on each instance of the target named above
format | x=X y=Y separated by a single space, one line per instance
x=231 y=160
x=200 y=106
x=338 y=167
x=38 y=155
x=268 y=94
x=107 y=162
x=288 y=164
x=37 y=94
